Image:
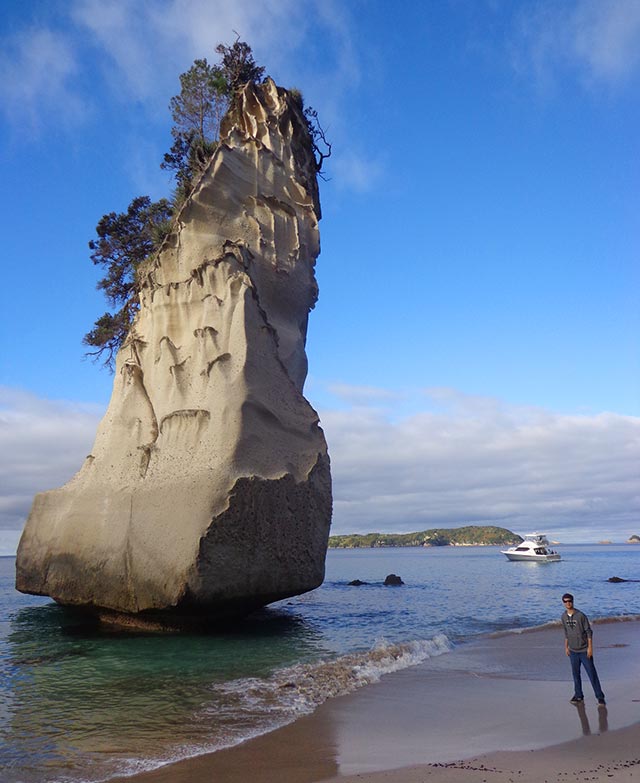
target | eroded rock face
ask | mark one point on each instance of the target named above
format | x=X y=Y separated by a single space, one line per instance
x=207 y=492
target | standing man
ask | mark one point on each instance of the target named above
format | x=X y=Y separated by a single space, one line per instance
x=578 y=645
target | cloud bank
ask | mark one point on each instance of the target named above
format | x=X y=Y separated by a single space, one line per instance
x=459 y=460
x=476 y=460
x=42 y=444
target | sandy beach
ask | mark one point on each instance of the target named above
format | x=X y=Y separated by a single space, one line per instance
x=495 y=709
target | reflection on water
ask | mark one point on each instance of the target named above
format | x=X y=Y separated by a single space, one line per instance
x=603 y=719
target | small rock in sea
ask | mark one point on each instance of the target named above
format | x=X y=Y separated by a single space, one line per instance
x=616 y=579
x=357 y=583
x=393 y=580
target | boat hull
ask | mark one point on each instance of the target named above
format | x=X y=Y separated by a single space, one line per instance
x=532 y=558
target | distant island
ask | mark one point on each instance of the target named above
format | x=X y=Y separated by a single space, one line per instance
x=633 y=540
x=472 y=535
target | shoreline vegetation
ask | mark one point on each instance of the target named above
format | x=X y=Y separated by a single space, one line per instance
x=471 y=535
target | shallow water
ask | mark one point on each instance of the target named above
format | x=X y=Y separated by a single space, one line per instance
x=83 y=705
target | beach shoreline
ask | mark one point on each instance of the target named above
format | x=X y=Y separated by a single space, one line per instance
x=496 y=706
x=612 y=757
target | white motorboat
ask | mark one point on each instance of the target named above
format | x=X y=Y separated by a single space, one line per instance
x=534 y=549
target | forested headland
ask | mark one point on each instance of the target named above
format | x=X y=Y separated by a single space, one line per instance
x=471 y=535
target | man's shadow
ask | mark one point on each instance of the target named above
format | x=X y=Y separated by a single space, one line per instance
x=603 y=719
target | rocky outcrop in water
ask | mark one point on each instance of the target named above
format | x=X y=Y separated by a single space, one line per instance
x=207 y=492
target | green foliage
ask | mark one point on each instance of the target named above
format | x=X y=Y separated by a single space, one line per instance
x=205 y=94
x=123 y=242
x=296 y=97
x=201 y=103
x=127 y=239
x=196 y=113
x=108 y=334
x=188 y=158
x=471 y=535
x=238 y=66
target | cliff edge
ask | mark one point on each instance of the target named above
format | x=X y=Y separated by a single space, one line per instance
x=207 y=493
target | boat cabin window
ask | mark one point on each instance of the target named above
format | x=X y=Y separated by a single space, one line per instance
x=540 y=551
x=522 y=549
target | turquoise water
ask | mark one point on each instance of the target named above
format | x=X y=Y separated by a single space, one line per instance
x=84 y=705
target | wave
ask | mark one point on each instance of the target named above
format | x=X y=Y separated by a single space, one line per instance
x=249 y=707
x=301 y=688
x=618 y=618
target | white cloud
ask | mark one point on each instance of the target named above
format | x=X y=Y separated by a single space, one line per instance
x=37 y=68
x=146 y=44
x=469 y=460
x=482 y=461
x=124 y=40
x=597 y=39
x=606 y=37
x=42 y=444
x=362 y=395
x=356 y=172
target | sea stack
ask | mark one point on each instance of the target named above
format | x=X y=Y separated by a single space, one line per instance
x=207 y=493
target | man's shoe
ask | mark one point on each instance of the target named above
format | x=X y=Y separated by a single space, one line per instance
x=602 y=703
x=576 y=700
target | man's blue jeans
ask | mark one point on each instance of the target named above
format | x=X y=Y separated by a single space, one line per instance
x=580 y=659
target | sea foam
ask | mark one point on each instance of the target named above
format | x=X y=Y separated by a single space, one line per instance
x=299 y=689
x=249 y=707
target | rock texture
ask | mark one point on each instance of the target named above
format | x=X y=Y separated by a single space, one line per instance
x=207 y=492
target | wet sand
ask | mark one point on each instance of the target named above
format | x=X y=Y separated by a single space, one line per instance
x=496 y=709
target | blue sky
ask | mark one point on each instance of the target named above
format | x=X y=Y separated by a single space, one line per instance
x=474 y=352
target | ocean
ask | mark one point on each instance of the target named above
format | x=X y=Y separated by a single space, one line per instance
x=85 y=705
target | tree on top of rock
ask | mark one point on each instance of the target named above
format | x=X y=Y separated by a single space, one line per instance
x=238 y=66
x=196 y=113
x=205 y=93
x=201 y=103
x=125 y=240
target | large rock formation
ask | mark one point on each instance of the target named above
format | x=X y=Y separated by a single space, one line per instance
x=207 y=492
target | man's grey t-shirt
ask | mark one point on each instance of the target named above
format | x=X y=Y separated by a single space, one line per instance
x=577 y=630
